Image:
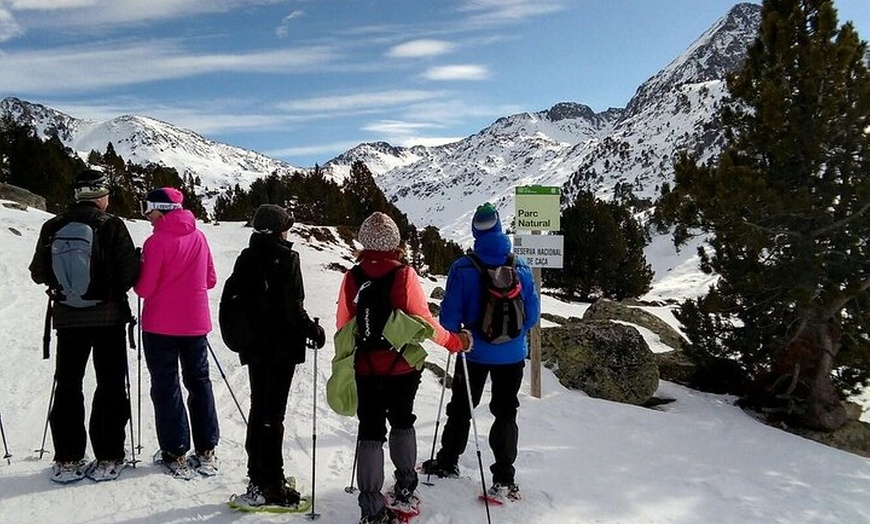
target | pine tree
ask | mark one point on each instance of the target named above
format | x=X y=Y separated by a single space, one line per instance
x=603 y=252
x=788 y=208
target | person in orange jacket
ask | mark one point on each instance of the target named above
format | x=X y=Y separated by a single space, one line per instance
x=386 y=383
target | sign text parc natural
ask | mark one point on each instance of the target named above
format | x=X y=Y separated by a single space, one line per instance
x=537 y=208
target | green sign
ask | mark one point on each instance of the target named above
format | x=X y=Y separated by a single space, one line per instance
x=537 y=208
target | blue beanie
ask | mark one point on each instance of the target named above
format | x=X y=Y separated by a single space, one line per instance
x=485 y=221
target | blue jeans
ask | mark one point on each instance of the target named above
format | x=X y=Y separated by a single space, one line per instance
x=163 y=353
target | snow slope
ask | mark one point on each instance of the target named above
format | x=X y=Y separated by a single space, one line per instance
x=697 y=460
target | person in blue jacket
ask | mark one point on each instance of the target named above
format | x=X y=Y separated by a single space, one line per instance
x=502 y=362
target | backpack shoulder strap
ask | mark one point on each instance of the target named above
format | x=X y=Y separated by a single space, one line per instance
x=358 y=274
x=478 y=263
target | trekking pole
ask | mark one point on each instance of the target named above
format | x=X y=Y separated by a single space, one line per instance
x=133 y=460
x=139 y=373
x=476 y=443
x=438 y=416
x=42 y=449
x=7 y=456
x=46 y=334
x=350 y=489
x=311 y=344
x=226 y=381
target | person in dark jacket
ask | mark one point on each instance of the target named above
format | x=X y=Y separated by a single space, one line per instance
x=98 y=326
x=502 y=362
x=283 y=327
x=386 y=383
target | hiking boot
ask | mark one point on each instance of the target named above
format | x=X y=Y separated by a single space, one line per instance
x=106 y=469
x=433 y=467
x=403 y=500
x=281 y=495
x=505 y=491
x=67 y=471
x=177 y=465
x=205 y=463
x=384 y=516
x=252 y=497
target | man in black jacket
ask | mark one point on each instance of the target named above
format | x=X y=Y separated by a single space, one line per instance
x=271 y=269
x=90 y=312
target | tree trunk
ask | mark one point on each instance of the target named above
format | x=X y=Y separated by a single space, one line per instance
x=824 y=410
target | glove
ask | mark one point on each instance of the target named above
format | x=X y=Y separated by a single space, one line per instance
x=467 y=341
x=316 y=335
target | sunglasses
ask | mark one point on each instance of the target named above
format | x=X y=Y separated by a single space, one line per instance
x=147 y=207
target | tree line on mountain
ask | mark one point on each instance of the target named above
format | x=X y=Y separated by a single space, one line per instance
x=47 y=168
x=318 y=200
x=610 y=265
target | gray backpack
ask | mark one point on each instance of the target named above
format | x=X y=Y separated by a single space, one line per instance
x=72 y=254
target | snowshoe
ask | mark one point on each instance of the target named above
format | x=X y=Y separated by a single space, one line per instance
x=102 y=470
x=205 y=463
x=502 y=493
x=69 y=471
x=176 y=466
x=272 y=500
x=433 y=467
x=384 y=516
x=405 y=506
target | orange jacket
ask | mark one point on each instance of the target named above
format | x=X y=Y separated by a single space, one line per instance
x=407 y=294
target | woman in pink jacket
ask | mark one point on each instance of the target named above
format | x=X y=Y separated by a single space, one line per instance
x=177 y=272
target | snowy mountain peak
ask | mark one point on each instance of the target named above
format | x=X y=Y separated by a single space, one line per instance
x=143 y=140
x=721 y=49
x=45 y=120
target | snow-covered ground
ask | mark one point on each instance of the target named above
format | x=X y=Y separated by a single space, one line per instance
x=697 y=460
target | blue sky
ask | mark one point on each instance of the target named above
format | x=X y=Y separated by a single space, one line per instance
x=305 y=80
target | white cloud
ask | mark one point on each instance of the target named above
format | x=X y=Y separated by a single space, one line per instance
x=489 y=12
x=420 y=48
x=103 y=12
x=314 y=149
x=397 y=127
x=110 y=64
x=52 y=5
x=455 y=111
x=457 y=72
x=359 y=101
x=9 y=28
x=283 y=30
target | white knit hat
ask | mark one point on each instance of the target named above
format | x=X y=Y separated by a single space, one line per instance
x=379 y=233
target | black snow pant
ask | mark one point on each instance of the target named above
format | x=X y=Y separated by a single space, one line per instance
x=270 y=386
x=504 y=434
x=110 y=409
x=381 y=399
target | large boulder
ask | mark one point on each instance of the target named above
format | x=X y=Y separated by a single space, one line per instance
x=603 y=359
x=604 y=309
x=22 y=196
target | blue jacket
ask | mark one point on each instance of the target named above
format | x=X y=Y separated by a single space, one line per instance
x=461 y=304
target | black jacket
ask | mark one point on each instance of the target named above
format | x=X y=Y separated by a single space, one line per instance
x=282 y=323
x=115 y=270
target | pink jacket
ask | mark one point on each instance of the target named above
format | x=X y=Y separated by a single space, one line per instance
x=177 y=272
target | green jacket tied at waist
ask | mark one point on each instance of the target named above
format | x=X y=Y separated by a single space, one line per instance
x=401 y=330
